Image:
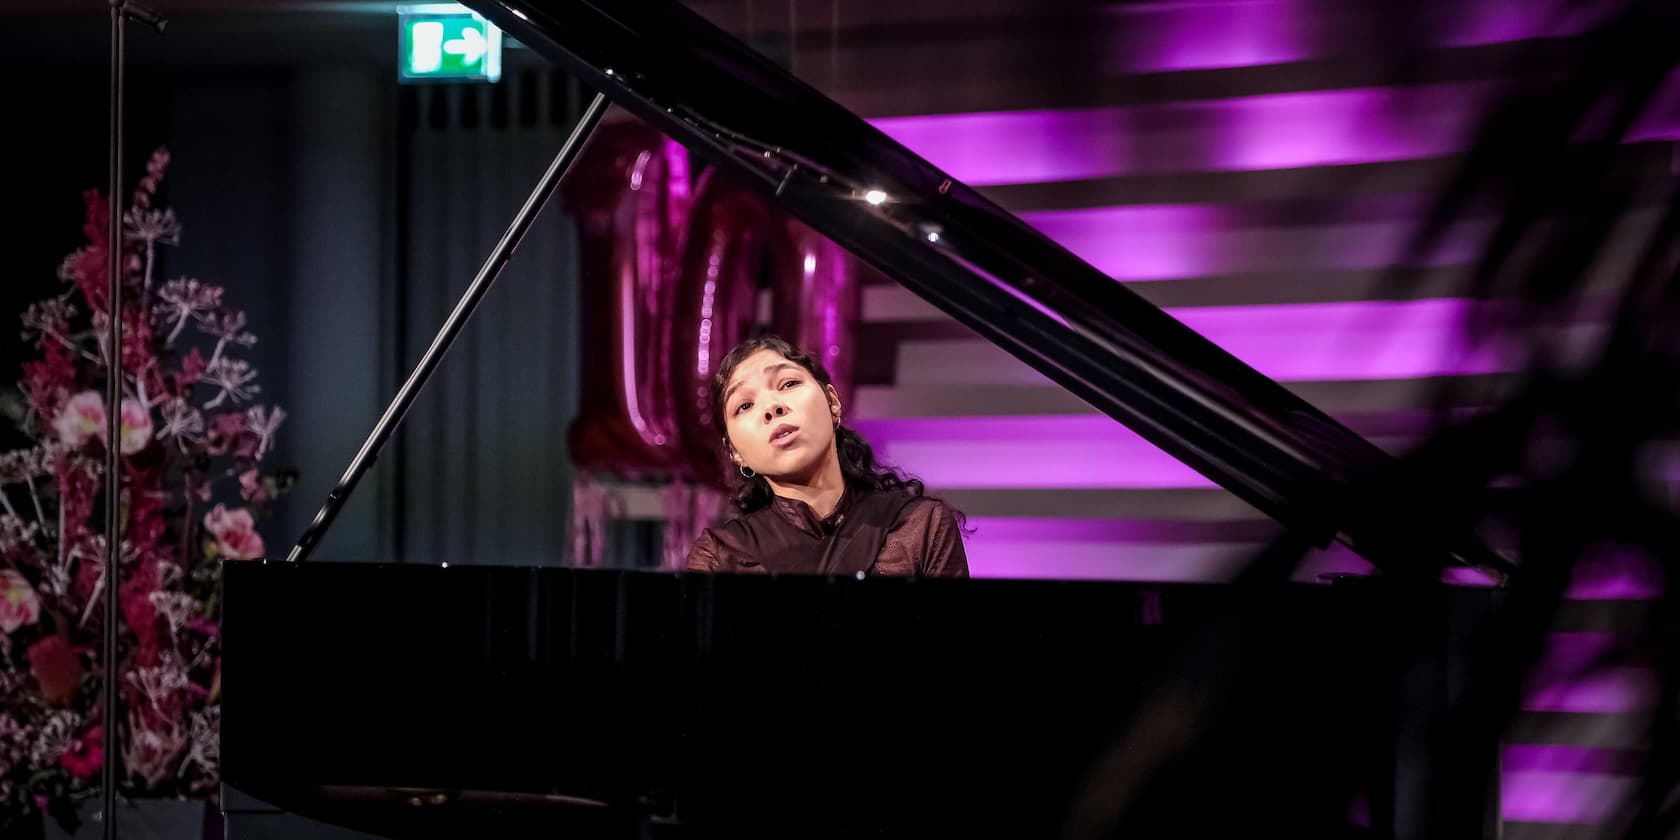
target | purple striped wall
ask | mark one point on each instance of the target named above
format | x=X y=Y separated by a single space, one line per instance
x=1184 y=98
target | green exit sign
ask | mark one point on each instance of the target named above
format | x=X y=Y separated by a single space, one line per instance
x=447 y=41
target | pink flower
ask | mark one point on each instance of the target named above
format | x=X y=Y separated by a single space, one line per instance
x=86 y=755
x=192 y=367
x=137 y=355
x=235 y=533
x=77 y=485
x=50 y=378
x=136 y=426
x=18 y=603
x=218 y=519
x=251 y=487
x=57 y=667
x=228 y=432
x=81 y=418
x=140 y=615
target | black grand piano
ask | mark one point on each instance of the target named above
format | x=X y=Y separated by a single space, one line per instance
x=482 y=701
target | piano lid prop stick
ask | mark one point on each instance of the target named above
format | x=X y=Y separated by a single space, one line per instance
x=121 y=11
x=487 y=274
x=132 y=10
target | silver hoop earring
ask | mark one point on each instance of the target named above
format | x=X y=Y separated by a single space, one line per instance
x=747 y=472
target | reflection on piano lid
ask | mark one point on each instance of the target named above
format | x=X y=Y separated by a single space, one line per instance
x=978 y=263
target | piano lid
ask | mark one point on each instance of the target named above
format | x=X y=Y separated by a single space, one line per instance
x=983 y=266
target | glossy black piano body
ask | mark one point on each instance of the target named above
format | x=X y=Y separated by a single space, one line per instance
x=514 y=702
x=476 y=701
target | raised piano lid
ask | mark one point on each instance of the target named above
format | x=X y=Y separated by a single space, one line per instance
x=983 y=266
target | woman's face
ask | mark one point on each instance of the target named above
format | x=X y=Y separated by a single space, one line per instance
x=780 y=420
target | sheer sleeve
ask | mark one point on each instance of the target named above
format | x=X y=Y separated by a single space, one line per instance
x=703 y=556
x=942 y=553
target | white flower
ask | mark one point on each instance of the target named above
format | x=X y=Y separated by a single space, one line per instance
x=181 y=421
x=48 y=317
x=14 y=466
x=183 y=298
x=151 y=226
x=227 y=326
x=236 y=379
x=204 y=741
x=161 y=681
x=24 y=464
x=176 y=609
x=15 y=532
x=55 y=581
x=67 y=268
x=53 y=738
x=264 y=423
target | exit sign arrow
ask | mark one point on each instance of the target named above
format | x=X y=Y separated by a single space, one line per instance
x=470 y=47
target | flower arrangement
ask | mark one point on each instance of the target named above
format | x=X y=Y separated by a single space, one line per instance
x=193 y=486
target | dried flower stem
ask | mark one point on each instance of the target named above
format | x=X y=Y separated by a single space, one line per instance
x=146 y=284
x=93 y=597
x=35 y=499
x=180 y=324
x=187 y=526
x=63 y=560
x=71 y=345
x=216 y=355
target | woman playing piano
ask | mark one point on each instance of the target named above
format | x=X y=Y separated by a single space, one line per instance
x=811 y=498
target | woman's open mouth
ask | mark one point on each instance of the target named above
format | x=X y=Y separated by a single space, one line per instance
x=784 y=434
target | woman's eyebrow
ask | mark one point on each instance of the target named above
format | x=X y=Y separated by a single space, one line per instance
x=769 y=369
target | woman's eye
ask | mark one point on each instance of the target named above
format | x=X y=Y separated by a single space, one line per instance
x=743 y=407
x=789 y=382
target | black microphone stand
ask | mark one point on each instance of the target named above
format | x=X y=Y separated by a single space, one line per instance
x=121 y=11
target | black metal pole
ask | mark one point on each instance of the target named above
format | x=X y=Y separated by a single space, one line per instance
x=121 y=11
x=487 y=274
x=113 y=427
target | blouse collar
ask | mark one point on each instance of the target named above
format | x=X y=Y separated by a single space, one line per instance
x=800 y=515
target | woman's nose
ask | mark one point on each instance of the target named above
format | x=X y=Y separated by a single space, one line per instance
x=775 y=411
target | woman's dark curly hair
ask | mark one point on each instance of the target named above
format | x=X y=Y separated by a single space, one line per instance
x=857 y=458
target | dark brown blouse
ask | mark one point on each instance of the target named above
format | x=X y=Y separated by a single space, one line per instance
x=787 y=537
